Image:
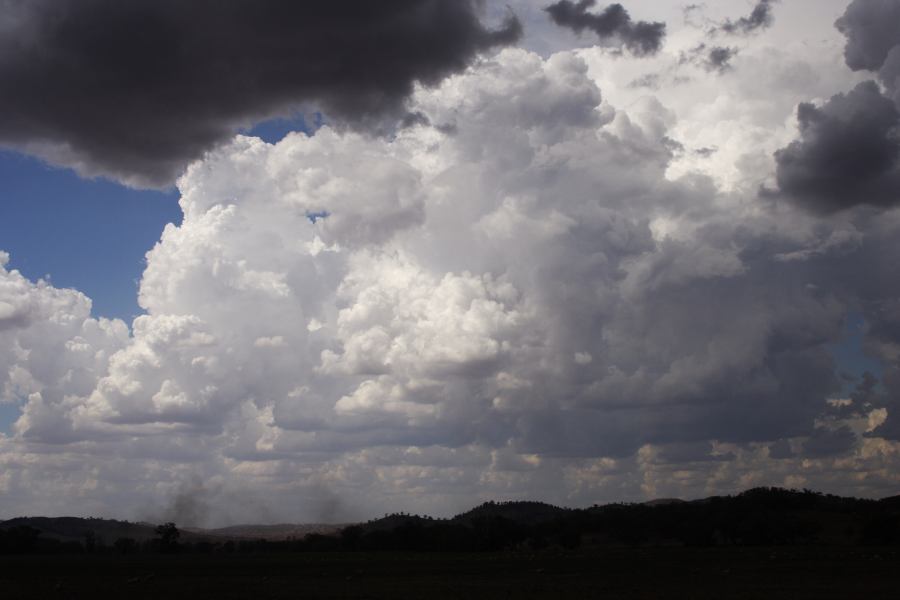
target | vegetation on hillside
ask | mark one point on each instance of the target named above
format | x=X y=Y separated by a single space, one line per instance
x=758 y=517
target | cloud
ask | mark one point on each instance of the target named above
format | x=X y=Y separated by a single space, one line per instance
x=512 y=297
x=759 y=18
x=829 y=442
x=136 y=91
x=871 y=34
x=711 y=58
x=719 y=58
x=848 y=152
x=872 y=43
x=52 y=351
x=613 y=24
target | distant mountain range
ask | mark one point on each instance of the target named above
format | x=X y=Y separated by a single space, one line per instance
x=758 y=516
x=75 y=529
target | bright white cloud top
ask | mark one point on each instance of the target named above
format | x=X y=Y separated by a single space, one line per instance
x=566 y=287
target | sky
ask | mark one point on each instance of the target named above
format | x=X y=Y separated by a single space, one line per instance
x=269 y=263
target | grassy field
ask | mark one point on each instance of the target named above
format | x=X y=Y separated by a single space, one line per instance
x=770 y=573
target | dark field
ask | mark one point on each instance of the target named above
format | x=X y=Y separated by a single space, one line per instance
x=771 y=573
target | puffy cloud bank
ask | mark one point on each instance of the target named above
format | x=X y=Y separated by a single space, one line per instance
x=514 y=301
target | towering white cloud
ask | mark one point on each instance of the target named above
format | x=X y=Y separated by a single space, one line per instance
x=51 y=353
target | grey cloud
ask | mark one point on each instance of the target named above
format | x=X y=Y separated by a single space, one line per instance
x=873 y=40
x=701 y=451
x=869 y=273
x=689 y=11
x=882 y=339
x=650 y=81
x=864 y=397
x=873 y=44
x=781 y=449
x=871 y=30
x=759 y=18
x=612 y=24
x=711 y=58
x=847 y=154
x=829 y=442
x=137 y=90
x=719 y=58
x=889 y=74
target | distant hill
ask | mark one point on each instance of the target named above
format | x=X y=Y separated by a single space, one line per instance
x=520 y=512
x=396 y=521
x=892 y=501
x=76 y=529
x=279 y=532
x=663 y=501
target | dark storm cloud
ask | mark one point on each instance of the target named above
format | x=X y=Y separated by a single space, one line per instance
x=872 y=30
x=612 y=24
x=759 y=18
x=849 y=149
x=136 y=90
x=873 y=40
x=847 y=153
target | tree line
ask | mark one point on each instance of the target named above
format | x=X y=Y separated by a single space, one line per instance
x=762 y=516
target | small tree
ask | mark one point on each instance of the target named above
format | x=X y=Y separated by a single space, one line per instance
x=168 y=537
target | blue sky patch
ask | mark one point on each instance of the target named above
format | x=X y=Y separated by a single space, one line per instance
x=87 y=234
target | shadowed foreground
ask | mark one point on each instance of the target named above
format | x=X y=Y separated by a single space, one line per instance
x=729 y=572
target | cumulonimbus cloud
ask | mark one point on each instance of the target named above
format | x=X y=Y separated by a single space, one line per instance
x=137 y=90
x=517 y=302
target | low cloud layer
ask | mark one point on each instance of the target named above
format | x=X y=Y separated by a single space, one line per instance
x=135 y=91
x=612 y=25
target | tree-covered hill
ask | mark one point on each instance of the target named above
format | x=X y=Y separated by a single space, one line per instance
x=757 y=517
